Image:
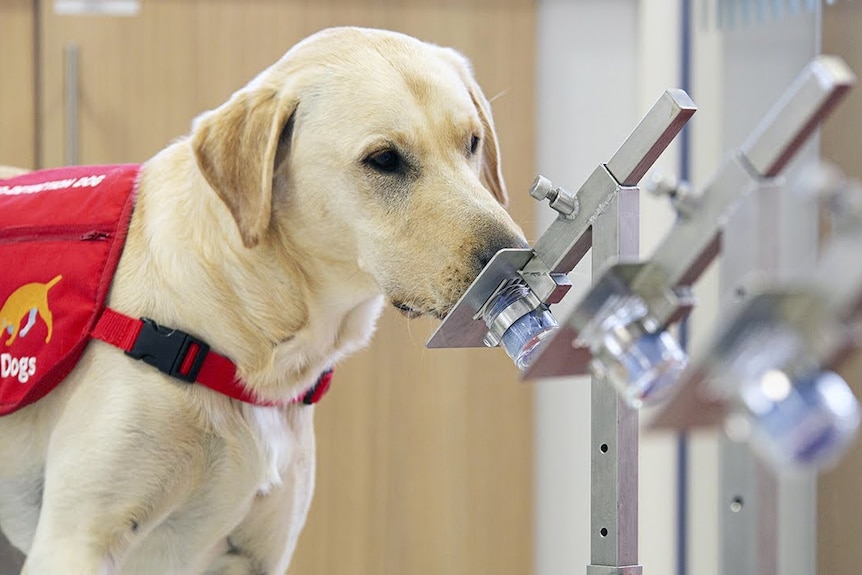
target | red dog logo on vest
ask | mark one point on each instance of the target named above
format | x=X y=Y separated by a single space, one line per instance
x=30 y=301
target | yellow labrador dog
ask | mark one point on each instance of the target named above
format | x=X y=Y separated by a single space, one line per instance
x=362 y=167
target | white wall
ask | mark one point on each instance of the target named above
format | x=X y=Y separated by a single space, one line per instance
x=586 y=75
x=602 y=64
x=707 y=152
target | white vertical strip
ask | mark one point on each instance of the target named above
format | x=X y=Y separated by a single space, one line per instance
x=707 y=151
x=759 y=64
x=658 y=66
x=586 y=106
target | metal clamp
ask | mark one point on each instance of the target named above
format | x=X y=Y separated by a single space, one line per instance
x=567 y=240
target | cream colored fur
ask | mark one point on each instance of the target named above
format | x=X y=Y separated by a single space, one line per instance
x=270 y=233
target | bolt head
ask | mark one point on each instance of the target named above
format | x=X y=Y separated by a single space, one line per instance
x=541 y=188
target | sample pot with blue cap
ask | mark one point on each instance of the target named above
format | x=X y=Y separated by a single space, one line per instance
x=517 y=321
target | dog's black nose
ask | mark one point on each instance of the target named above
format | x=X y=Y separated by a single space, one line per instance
x=496 y=243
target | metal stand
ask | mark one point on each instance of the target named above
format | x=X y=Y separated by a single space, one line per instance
x=604 y=216
x=750 y=172
x=776 y=235
x=655 y=287
x=748 y=512
x=767 y=521
x=614 y=443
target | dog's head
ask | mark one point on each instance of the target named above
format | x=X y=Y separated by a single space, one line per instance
x=370 y=151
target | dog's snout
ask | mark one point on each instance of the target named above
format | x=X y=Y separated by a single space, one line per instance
x=496 y=243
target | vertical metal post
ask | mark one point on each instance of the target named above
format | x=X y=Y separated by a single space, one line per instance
x=747 y=514
x=766 y=521
x=614 y=442
x=757 y=535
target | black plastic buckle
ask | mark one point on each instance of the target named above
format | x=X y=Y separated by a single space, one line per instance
x=166 y=349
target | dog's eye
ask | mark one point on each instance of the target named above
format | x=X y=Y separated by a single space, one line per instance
x=474 y=144
x=387 y=161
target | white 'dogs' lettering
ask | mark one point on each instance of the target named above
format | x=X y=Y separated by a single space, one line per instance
x=21 y=367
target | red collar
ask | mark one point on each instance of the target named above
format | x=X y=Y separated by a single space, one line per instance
x=185 y=357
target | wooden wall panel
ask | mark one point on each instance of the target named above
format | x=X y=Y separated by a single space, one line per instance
x=839 y=500
x=17 y=127
x=425 y=457
x=17 y=83
x=841 y=139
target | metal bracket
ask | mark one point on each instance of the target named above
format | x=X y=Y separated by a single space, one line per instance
x=782 y=132
x=694 y=241
x=568 y=238
x=462 y=327
x=819 y=309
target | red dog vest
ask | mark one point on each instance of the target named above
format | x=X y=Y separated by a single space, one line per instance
x=62 y=232
x=61 y=235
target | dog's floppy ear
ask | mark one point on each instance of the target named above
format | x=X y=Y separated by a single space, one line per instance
x=492 y=174
x=236 y=146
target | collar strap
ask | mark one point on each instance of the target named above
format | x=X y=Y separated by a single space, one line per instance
x=185 y=357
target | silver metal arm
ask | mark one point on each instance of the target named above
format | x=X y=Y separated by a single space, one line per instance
x=693 y=243
x=769 y=370
x=567 y=240
x=819 y=88
x=563 y=245
x=695 y=240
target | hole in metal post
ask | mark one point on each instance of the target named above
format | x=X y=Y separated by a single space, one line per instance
x=736 y=504
x=740 y=293
x=603 y=447
x=603 y=531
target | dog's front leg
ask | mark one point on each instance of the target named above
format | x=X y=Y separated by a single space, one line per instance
x=69 y=559
x=95 y=514
x=264 y=542
x=116 y=467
